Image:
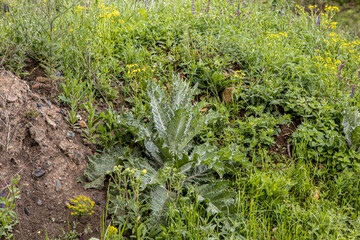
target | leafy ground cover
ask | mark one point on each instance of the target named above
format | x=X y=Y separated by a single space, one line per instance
x=213 y=119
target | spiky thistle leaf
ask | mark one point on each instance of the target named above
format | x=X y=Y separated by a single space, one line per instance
x=99 y=166
x=158 y=204
x=182 y=94
x=218 y=197
x=160 y=111
x=176 y=130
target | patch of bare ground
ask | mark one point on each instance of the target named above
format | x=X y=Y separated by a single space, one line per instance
x=282 y=145
x=37 y=143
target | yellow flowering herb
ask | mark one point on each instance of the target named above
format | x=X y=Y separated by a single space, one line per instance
x=112 y=231
x=81 y=205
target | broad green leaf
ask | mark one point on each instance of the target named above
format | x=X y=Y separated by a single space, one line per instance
x=99 y=166
x=218 y=197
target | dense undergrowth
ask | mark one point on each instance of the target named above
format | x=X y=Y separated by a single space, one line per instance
x=183 y=160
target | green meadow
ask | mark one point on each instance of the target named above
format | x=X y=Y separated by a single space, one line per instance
x=212 y=119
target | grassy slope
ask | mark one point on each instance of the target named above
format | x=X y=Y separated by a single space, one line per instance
x=283 y=65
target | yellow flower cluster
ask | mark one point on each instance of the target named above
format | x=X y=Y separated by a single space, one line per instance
x=132 y=72
x=328 y=63
x=112 y=231
x=331 y=8
x=350 y=47
x=108 y=12
x=239 y=74
x=312 y=6
x=80 y=8
x=333 y=25
x=277 y=36
x=131 y=65
x=300 y=9
x=81 y=205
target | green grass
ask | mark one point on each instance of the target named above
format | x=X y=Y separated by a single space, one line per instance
x=9 y=192
x=211 y=173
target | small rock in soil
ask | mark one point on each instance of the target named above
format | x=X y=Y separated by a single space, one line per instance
x=47 y=165
x=26 y=211
x=58 y=186
x=77 y=158
x=11 y=99
x=39 y=202
x=97 y=203
x=51 y=113
x=60 y=178
x=64 y=145
x=70 y=135
x=39 y=105
x=38 y=173
x=50 y=122
x=37 y=134
x=27 y=192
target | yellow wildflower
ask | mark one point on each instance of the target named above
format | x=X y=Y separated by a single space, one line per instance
x=115 y=13
x=112 y=231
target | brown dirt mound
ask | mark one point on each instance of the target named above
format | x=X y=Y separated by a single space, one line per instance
x=37 y=143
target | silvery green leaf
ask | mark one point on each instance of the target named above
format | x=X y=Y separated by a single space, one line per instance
x=351 y=121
